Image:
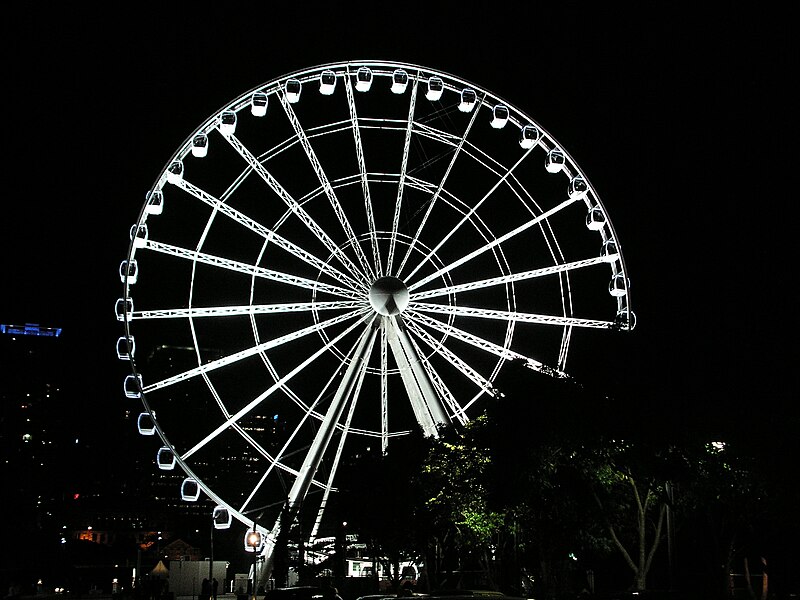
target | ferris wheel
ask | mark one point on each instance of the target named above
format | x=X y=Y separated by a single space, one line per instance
x=342 y=256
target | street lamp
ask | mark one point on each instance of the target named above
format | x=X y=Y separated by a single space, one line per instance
x=254 y=542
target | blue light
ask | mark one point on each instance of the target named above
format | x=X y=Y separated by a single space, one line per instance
x=30 y=329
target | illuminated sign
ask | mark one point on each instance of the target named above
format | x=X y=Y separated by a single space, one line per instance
x=30 y=329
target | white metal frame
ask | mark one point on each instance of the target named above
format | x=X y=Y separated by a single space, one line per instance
x=422 y=354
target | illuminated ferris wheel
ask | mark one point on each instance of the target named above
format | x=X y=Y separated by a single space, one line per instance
x=344 y=255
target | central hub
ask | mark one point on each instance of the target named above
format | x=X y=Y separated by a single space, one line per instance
x=388 y=296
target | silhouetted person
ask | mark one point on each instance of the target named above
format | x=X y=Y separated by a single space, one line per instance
x=205 y=590
x=214 y=585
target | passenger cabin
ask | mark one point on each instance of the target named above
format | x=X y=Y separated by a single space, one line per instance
x=222 y=517
x=500 y=116
x=154 y=202
x=609 y=251
x=126 y=348
x=227 y=122
x=258 y=104
x=468 y=100
x=132 y=386
x=200 y=145
x=128 y=271
x=399 y=81
x=165 y=459
x=578 y=187
x=138 y=236
x=123 y=309
x=529 y=136
x=293 y=87
x=595 y=219
x=190 y=490
x=175 y=172
x=554 y=161
x=435 y=89
x=327 y=82
x=618 y=285
x=363 y=79
x=145 y=424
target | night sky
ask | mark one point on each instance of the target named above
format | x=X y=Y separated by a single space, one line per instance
x=679 y=118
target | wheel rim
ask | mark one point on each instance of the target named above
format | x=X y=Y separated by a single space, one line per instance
x=391 y=247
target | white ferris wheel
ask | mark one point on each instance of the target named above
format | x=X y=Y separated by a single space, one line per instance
x=343 y=255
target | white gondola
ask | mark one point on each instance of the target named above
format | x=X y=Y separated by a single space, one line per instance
x=258 y=104
x=165 y=459
x=200 y=145
x=554 y=161
x=253 y=541
x=145 y=424
x=363 y=79
x=190 y=490
x=618 y=286
x=175 y=172
x=132 y=386
x=227 y=123
x=138 y=235
x=529 y=136
x=293 y=87
x=435 y=89
x=468 y=100
x=327 y=82
x=626 y=318
x=595 y=218
x=222 y=517
x=155 y=202
x=578 y=187
x=609 y=251
x=128 y=271
x=126 y=348
x=123 y=309
x=500 y=116
x=399 y=81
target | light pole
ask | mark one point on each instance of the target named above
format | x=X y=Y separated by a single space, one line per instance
x=254 y=542
x=211 y=565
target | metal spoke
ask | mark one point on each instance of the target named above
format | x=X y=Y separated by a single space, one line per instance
x=384 y=389
x=438 y=191
x=401 y=184
x=440 y=386
x=485 y=345
x=263 y=347
x=267 y=393
x=362 y=169
x=296 y=209
x=326 y=184
x=267 y=233
x=248 y=269
x=438 y=347
x=469 y=214
x=490 y=245
x=255 y=309
x=429 y=412
x=504 y=315
x=510 y=278
x=340 y=447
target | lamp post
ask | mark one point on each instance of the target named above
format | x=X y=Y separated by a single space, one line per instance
x=211 y=565
x=254 y=542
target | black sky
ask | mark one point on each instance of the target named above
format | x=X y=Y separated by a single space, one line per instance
x=679 y=118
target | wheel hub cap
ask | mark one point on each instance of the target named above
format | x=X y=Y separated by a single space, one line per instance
x=388 y=296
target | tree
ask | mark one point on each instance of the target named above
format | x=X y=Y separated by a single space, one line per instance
x=632 y=503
